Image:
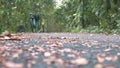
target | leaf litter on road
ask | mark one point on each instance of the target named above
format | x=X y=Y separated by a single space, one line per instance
x=60 y=51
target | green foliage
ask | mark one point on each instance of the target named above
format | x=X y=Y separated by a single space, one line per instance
x=91 y=15
x=101 y=16
x=16 y=12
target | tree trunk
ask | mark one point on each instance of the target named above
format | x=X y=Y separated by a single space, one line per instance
x=115 y=3
x=108 y=5
x=83 y=21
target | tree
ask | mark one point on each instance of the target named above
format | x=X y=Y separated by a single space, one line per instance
x=17 y=12
x=86 y=13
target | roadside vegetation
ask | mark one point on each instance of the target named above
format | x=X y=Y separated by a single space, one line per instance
x=92 y=16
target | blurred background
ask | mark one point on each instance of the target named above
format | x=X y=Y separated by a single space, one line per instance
x=91 y=16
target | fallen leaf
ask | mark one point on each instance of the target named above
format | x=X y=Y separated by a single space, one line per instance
x=109 y=66
x=40 y=49
x=1 y=48
x=59 y=63
x=100 y=58
x=15 y=55
x=50 y=60
x=67 y=50
x=2 y=59
x=118 y=54
x=115 y=58
x=71 y=55
x=13 y=65
x=108 y=58
x=98 y=66
x=6 y=38
x=47 y=54
x=17 y=38
x=6 y=33
x=107 y=49
x=56 y=44
x=80 y=61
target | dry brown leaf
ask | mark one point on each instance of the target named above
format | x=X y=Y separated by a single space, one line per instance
x=85 y=51
x=13 y=65
x=40 y=49
x=1 y=48
x=59 y=63
x=108 y=58
x=71 y=55
x=67 y=50
x=107 y=49
x=17 y=38
x=98 y=66
x=6 y=38
x=115 y=58
x=15 y=55
x=118 y=54
x=56 y=44
x=2 y=59
x=100 y=58
x=59 y=45
x=47 y=54
x=109 y=66
x=33 y=62
x=50 y=60
x=6 y=33
x=80 y=61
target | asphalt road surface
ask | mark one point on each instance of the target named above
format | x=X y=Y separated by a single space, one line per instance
x=61 y=50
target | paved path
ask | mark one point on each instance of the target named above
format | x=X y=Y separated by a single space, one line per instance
x=61 y=50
